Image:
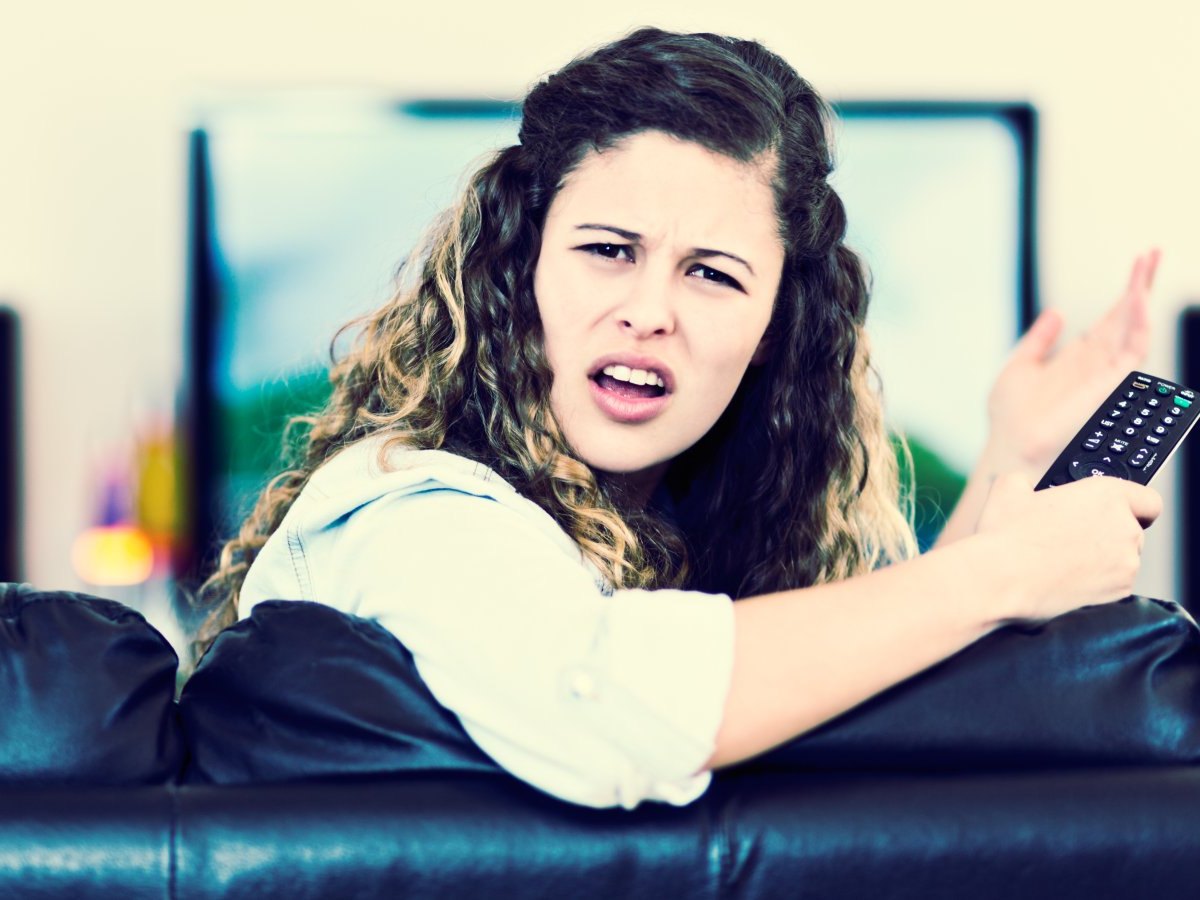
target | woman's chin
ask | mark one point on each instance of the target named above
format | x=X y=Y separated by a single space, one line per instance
x=613 y=461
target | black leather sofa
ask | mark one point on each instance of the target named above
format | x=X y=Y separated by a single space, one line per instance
x=305 y=759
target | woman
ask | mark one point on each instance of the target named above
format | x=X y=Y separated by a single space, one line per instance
x=625 y=381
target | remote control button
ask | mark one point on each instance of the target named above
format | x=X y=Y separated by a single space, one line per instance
x=1153 y=402
x=1119 y=446
x=1151 y=439
x=1129 y=395
x=1130 y=431
x=1179 y=401
x=1107 y=423
x=1168 y=420
x=1160 y=430
x=1191 y=395
x=1165 y=389
x=1176 y=411
x=1140 y=385
x=1146 y=412
x=1139 y=459
x=1122 y=404
x=1138 y=421
x=1115 y=414
x=1091 y=444
x=1084 y=468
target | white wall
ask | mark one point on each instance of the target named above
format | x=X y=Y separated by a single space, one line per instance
x=94 y=107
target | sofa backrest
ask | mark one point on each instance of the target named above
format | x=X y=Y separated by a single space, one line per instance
x=300 y=691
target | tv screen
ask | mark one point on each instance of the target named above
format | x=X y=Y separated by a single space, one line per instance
x=301 y=210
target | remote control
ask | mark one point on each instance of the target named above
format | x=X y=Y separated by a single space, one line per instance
x=1131 y=435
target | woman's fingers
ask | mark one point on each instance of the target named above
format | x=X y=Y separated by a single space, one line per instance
x=1038 y=342
x=1148 y=267
x=1124 y=331
x=1077 y=544
x=1145 y=503
x=1137 y=320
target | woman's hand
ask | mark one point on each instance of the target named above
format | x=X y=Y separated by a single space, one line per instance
x=1074 y=545
x=1041 y=397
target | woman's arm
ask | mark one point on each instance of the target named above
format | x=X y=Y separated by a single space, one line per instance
x=803 y=657
x=613 y=699
x=993 y=463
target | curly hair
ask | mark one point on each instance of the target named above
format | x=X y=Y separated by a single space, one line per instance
x=798 y=470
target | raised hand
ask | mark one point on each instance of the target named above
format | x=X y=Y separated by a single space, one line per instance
x=1041 y=396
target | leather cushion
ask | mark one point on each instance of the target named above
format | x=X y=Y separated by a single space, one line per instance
x=87 y=690
x=300 y=690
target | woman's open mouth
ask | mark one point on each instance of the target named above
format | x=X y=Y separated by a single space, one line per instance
x=629 y=395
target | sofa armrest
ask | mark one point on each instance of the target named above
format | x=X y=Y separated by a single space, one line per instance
x=1115 y=684
x=87 y=689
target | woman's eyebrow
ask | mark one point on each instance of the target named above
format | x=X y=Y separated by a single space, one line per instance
x=634 y=237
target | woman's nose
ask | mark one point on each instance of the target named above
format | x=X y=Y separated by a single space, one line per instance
x=647 y=309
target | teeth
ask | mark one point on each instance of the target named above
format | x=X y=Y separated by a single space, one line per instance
x=634 y=376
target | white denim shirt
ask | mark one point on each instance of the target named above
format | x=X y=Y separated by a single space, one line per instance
x=600 y=697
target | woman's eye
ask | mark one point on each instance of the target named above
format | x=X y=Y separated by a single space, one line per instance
x=609 y=251
x=713 y=275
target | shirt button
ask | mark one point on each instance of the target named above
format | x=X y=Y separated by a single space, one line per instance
x=583 y=686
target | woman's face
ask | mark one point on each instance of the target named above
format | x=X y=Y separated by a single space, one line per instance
x=658 y=270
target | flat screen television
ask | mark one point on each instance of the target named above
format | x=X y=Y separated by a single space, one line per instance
x=301 y=209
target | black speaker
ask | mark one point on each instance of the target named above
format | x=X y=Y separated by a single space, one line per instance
x=10 y=447
x=1189 y=469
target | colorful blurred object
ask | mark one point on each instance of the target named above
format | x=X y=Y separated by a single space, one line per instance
x=137 y=525
x=157 y=491
x=112 y=555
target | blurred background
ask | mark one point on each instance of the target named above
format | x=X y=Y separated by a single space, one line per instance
x=101 y=108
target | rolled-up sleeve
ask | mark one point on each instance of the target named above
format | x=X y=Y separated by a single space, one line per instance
x=602 y=700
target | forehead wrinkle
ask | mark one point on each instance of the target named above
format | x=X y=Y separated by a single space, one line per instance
x=628 y=187
x=656 y=213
